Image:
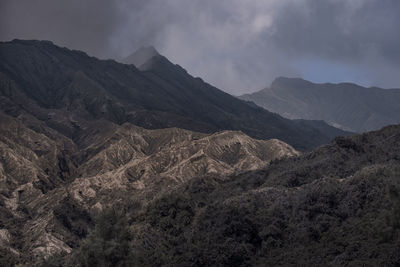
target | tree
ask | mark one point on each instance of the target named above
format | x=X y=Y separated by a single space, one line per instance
x=109 y=243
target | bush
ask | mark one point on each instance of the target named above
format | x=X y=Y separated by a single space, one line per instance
x=109 y=243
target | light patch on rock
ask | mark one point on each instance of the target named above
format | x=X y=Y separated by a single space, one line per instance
x=52 y=246
x=5 y=237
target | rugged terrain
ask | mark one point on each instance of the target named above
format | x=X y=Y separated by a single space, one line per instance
x=51 y=184
x=102 y=163
x=338 y=205
x=344 y=105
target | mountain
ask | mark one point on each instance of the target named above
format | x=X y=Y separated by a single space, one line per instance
x=141 y=56
x=338 y=205
x=50 y=185
x=105 y=164
x=79 y=135
x=68 y=90
x=344 y=105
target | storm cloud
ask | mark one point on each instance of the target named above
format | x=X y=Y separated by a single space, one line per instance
x=237 y=45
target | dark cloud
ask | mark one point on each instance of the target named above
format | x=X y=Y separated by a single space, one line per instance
x=86 y=25
x=237 y=45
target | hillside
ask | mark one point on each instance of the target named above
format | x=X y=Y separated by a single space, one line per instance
x=68 y=90
x=344 y=105
x=338 y=205
x=50 y=185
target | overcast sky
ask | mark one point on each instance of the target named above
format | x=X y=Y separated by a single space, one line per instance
x=237 y=45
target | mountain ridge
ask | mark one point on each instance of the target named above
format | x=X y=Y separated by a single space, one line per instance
x=336 y=205
x=79 y=89
x=344 y=105
x=40 y=173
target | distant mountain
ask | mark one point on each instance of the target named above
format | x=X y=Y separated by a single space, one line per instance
x=141 y=56
x=68 y=90
x=344 y=105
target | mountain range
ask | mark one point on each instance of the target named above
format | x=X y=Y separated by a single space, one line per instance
x=41 y=169
x=345 y=105
x=80 y=130
x=140 y=164
x=39 y=77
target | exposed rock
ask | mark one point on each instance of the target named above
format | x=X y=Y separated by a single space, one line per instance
x=52 y=185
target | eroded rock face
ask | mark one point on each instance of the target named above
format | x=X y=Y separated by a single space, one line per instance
x=51 y=183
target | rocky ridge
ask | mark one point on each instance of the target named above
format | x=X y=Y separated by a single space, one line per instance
x=40 y=175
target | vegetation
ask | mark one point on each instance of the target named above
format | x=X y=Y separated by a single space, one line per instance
x=109 y=243
x=348 y=215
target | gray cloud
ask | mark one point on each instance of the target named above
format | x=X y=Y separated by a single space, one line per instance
x=237 y=45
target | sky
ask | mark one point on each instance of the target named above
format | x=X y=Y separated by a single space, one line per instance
x=239 y=46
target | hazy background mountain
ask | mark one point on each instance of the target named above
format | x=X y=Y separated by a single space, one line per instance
x=344 y=105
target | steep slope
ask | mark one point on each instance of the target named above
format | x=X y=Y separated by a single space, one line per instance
x=51 y=185
x=343 y=105
x=160 y=69
x=138 y=156
x=67 y=89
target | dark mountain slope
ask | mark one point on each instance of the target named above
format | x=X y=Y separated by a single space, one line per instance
x=344 y=105
x=67 y=88
x=222 y=106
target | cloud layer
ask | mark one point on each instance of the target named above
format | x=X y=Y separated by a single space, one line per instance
x=237 y=45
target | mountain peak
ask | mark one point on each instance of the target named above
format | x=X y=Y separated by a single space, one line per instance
x=284 y=81
x=141 y=56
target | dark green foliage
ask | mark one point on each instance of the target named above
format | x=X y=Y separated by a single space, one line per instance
x=109 y=243
x=74 y=219
x=324 y=223
x=56 y=260
x=336 y=206
x=8 y=258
